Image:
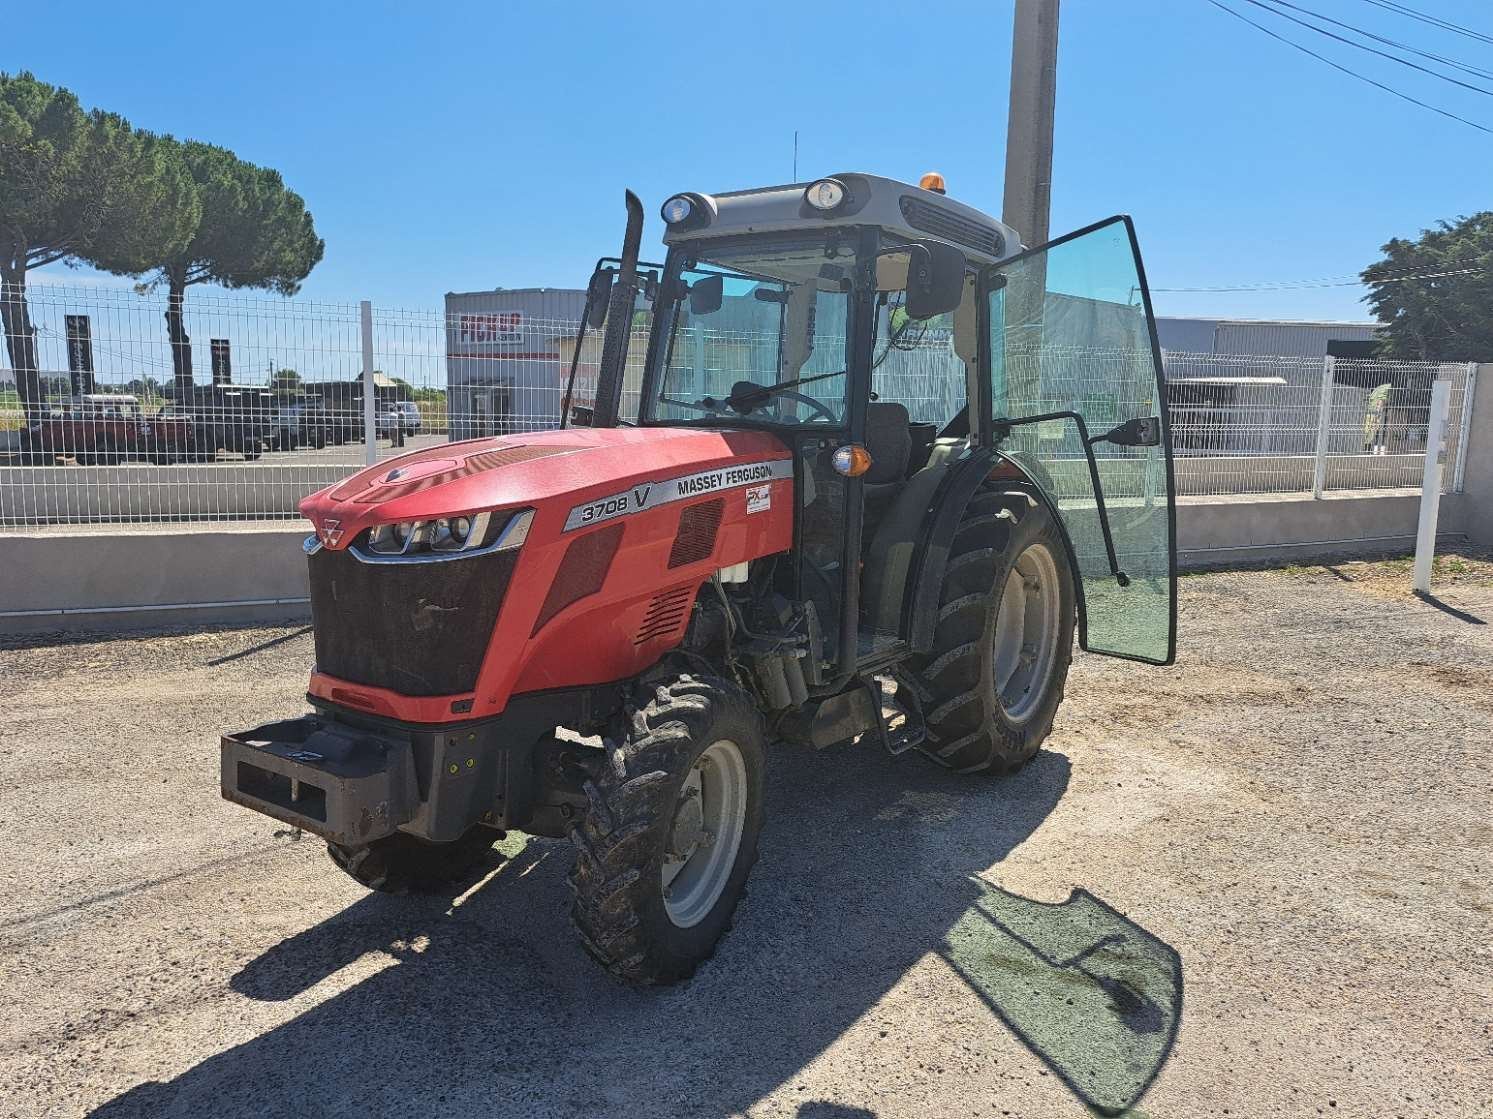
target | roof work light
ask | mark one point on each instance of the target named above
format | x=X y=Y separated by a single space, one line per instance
x=677 y=209
x=825 y=194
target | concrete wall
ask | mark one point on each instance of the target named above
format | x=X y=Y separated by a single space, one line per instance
x=108 y=577
x=114 y=577
x=1223 y=531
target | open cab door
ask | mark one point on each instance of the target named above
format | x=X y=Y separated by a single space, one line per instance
x=1078 y=398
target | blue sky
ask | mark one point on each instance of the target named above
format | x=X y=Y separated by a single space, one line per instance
x=462 y=146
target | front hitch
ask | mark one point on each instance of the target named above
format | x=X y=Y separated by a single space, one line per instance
x=350 y=785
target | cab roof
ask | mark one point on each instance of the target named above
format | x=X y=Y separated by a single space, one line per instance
x=900 y=208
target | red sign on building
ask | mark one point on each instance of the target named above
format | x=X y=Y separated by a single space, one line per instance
x=496 y=326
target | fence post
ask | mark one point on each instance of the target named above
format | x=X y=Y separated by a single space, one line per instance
x=1324 y=428
x=1464 y=426
x=1430 y=490
x=370 y=421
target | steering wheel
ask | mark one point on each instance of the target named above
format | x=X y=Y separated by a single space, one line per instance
x=803 y=398
x=747 y=397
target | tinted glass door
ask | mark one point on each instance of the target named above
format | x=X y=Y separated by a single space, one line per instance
x=1071 y=330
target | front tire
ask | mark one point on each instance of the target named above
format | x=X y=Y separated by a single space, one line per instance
x=403 y=864
x=992 y=683
x=670 y=836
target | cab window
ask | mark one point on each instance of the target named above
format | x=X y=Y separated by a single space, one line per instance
x=758 y=333
x=926 y=366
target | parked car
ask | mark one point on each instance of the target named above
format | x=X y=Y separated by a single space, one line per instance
x=102 y=429
x=300 y=423
x=233 y=418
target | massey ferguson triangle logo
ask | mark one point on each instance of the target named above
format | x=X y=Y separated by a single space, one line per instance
x=331 y=531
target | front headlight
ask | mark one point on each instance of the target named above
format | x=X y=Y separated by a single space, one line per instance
x=467 y=534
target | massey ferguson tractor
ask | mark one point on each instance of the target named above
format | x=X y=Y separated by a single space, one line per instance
x=876 y=466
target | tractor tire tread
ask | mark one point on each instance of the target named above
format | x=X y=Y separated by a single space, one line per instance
x=967 y=730
x=632 y=798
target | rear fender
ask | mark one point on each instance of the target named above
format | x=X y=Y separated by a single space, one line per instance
x=953 y=498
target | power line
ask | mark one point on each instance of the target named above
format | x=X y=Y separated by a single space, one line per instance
x=1434 y=21
x=1329 y=282
x=1475 y=71
x=1371 y=50
x=1351 y=73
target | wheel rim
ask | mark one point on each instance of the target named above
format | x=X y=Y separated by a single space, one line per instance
x=1026 y=632
x=705 y=833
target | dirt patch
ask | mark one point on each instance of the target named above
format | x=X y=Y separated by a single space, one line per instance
x=1451 y=572
x=1251 y=884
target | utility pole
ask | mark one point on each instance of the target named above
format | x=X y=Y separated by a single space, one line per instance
x=1034 y=84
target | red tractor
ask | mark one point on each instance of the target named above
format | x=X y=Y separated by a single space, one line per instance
x=880 y=463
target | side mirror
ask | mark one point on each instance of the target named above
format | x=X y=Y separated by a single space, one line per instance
x=705 y=295
x=598 y=295
x=1144 y=431
x=935 y=279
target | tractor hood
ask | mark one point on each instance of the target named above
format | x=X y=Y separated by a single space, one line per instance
x=556 y=473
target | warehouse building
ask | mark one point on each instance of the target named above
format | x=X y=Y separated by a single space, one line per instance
x=507 y=355
x=1267 y=337
x=1254 y=386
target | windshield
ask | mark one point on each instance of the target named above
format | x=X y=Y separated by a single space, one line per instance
x=758 y=333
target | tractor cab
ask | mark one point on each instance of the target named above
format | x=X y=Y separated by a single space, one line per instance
x=907 y=349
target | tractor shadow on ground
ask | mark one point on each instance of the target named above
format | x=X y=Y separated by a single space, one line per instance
x=486 y=1004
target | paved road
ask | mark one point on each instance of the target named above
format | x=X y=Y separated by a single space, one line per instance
x=350 y=454
x=1290 y=826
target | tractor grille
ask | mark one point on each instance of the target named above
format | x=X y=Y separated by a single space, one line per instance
x=697 y=528
x=418 y=629
x=950 y=225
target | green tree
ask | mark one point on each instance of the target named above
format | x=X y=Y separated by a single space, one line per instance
x=1434 y=294
x=254 y=233
x=76 y=186
x=286 y=380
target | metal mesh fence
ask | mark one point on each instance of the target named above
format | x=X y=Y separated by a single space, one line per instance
x=117 y=405
x=1250 y=424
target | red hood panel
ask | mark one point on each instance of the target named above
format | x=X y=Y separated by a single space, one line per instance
x=576 y=464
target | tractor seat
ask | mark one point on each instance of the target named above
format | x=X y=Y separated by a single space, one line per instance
x=889 y=442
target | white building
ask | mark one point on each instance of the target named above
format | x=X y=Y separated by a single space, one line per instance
x=507 y=356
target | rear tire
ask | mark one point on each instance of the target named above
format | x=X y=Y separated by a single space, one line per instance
x=644 y=826
x=984 y=716
x=403 y=864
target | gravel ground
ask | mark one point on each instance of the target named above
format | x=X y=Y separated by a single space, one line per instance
x=1291 y=826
